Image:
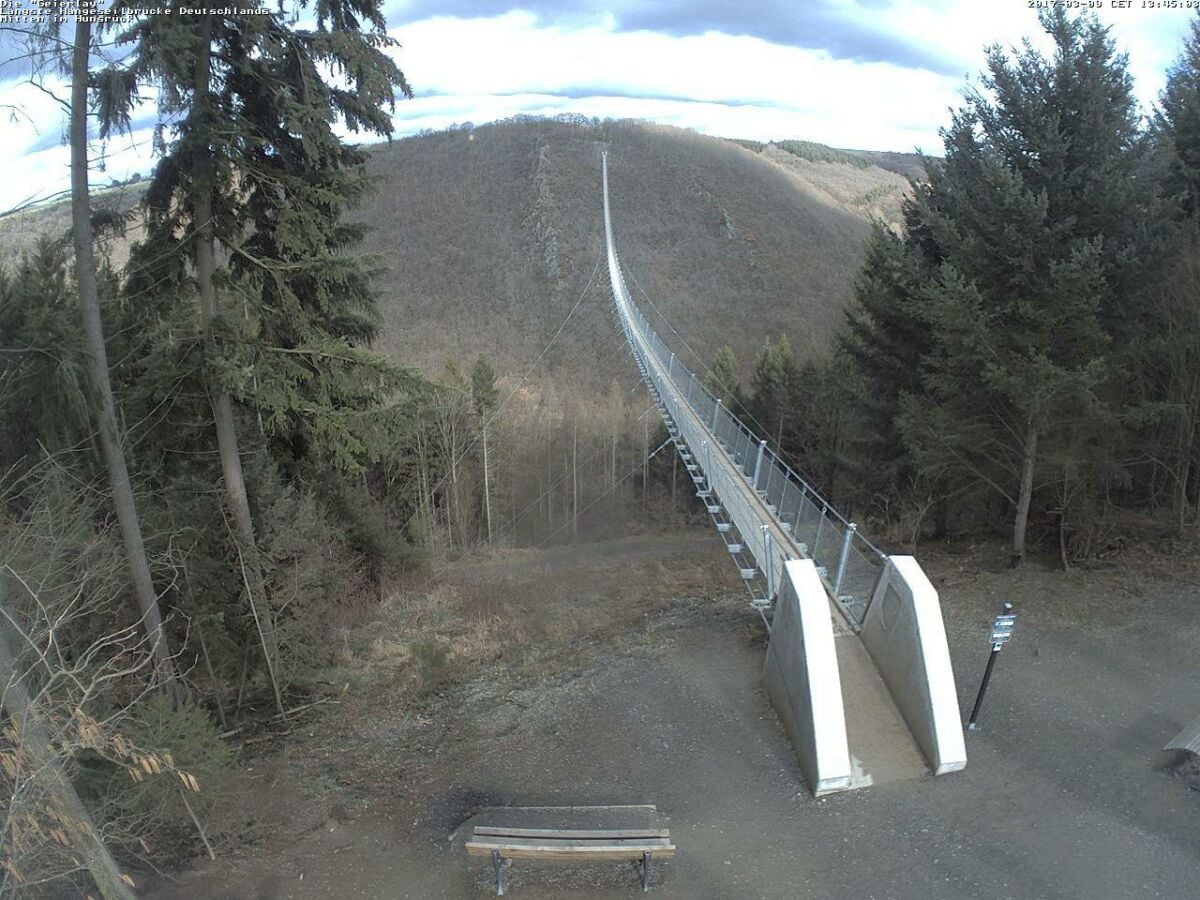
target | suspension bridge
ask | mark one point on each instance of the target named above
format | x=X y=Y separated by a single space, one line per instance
x=857 y=665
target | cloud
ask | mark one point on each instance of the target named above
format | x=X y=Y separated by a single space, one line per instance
x=873 y=74
x=945 y=37
x=516 y=54
x=846 y=29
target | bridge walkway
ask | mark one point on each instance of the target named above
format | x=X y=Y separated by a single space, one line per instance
x=882 y=747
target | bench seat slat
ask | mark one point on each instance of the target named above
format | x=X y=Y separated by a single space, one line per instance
x=587 y=833
x=660 y=849
x=581 y=855
x=500 y=842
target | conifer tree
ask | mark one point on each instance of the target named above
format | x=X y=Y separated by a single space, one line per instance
x=1177 y=125
x=723 y=381
x=245 y=212
x=44 y=401
x=1015 y=273
x=1169 y=355
x=886 y=340
x=772 y=383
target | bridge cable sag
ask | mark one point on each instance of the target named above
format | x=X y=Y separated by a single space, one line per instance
x=499 y=409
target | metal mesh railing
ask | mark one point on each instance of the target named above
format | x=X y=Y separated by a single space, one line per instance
x=849 y=563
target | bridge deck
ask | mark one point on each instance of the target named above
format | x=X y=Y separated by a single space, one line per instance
x=881 y=745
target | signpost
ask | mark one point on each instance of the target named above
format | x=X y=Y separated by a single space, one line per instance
x=1002 y=632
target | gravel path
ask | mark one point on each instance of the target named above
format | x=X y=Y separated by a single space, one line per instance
x=1064 y=794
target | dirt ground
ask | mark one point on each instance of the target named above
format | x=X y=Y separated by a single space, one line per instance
x=640 y=682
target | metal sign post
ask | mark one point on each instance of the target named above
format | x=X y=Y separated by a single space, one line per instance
x=1002 y=632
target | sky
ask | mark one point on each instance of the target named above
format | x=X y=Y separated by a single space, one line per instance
x=866 y=74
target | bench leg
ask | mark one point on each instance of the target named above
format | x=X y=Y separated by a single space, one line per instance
x=646 y=871
x=498 y=864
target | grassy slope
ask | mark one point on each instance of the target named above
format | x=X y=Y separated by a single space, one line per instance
x=865 y=189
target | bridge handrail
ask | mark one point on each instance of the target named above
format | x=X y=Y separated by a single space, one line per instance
x=852 y=564
x=654 y=341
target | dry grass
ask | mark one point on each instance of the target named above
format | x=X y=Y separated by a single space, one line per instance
x=870 y=191
x=531 y=614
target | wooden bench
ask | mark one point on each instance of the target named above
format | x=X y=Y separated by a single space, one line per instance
x=570 y=833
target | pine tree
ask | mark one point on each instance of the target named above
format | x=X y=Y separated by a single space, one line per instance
x=1177 y=126
x=995 y=314
x=44 y=402
x=886 y=341
x=724 y=382
x=484 y=393
x=245 y=212
x=1168 y=356
x=772 y=383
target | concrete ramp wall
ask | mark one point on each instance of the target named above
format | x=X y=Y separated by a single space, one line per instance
x=801 y=674
x=906 y=637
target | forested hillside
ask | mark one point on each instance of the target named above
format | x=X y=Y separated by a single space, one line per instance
x=490 y=234
x=486 y=237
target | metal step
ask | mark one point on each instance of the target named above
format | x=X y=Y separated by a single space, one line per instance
x=748 y=574
x=713 y=508
x=723 y=527
x=734 y=548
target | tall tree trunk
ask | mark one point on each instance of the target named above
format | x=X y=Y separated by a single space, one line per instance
x=674 y=477
x=222 y=405
x=35 y=742
x=487 y=490
x=612 y=483
x=645 y=462
x=103 y=406
x=455 y=516
x=1021 y=519
x=575 y=474
x=549 y=478
x=1187 y=446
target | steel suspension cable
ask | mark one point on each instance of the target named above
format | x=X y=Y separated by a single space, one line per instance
x=612 y=487
x=513 y=393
